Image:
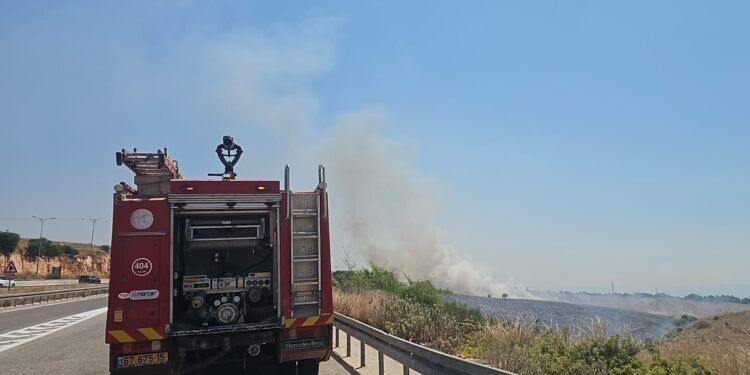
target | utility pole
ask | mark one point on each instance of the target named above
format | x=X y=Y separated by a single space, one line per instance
x=93 y=227
x=613 y=287
x=41 y=245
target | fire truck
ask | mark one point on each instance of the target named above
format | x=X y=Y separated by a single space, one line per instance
x=217 y=273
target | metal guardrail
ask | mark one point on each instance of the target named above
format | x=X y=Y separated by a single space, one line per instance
x=410 y=355
x=13 y=300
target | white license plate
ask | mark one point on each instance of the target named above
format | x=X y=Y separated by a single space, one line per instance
x=143 y=359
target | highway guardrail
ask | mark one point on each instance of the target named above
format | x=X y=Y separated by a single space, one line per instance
x=410 y=355
x=12 y=300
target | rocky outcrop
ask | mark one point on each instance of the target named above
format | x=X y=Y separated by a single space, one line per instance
x=72 y=267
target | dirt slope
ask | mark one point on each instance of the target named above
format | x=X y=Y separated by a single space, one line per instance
x=723 y=339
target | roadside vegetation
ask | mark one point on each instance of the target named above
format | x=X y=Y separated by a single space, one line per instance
x=48 y=249
x=416 y=311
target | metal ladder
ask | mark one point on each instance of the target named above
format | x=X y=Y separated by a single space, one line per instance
x=155 y=164
x=304 y=215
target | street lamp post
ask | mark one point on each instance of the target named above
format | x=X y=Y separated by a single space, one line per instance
x=39 y=249
x=93 y=227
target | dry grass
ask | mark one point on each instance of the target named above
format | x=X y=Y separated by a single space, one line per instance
x=364 y=306
x=425 y=325
x=504 y=345
x=724 y=341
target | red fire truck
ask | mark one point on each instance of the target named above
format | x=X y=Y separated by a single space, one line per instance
x=217 y=273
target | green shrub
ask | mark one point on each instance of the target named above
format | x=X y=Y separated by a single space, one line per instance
x=664 y=366
x=37 y=244
x=68 y=250
x=49 y=249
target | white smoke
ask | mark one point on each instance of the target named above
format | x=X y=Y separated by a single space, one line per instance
x=386 y=212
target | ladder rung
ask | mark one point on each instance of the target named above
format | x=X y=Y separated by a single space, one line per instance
x=305 y=235
x=305 y=211
x=305 y=214
x=304 y=281
x=306 y=259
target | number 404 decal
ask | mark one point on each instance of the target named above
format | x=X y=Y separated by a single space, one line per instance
x=141 y=267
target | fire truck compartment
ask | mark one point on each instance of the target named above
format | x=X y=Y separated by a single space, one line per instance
x=225 y=271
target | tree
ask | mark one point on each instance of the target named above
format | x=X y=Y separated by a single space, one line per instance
x=8 y=242
x=68 y=250
x=104 y=248
x=32 y=250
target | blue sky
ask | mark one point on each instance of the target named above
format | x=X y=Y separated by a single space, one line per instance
x=568 y=144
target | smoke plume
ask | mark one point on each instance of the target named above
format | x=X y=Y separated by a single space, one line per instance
x=386 y=211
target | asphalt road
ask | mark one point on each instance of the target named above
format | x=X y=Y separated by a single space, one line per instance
x=74 y=350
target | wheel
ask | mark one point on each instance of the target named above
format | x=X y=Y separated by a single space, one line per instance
x=309 y=367
x=13 y=285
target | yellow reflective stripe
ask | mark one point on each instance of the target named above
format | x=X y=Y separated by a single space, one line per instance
x=288 y=322
x=310 y=321
x=121 y=336
x=330 y=319
x=150 y=333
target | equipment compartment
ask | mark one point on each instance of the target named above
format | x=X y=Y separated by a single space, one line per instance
x=224 y=263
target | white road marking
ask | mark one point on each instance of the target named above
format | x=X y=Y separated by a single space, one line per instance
x=19 y=337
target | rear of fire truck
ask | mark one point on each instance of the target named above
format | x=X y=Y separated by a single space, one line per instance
x=212 y=273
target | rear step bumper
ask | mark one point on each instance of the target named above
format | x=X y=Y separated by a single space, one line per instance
x=212 y=339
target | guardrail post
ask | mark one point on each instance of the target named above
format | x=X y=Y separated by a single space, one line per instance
x=337 y=336
x=381 y=365
x=361 y=353
x=348 y=344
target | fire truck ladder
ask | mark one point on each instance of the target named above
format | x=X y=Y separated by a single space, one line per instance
x=304 y=214
x=154 y=164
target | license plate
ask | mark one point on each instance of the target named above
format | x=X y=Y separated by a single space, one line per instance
x=143 y=359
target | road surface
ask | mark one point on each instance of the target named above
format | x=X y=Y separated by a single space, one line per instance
x=66 y=339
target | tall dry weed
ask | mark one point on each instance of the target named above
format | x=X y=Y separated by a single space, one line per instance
x=422 y=324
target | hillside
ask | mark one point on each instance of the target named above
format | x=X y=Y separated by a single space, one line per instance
x=724 y=340
x=88 y=261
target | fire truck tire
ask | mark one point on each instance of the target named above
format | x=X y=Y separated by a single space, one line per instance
x=309 y=367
